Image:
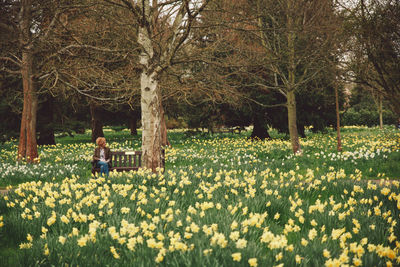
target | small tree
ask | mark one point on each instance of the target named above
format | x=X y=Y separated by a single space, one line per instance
x=296 y=36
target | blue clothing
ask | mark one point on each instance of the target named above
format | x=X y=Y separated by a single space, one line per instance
x=103 y=168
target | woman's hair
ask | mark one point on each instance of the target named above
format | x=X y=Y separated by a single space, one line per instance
x=100 y=140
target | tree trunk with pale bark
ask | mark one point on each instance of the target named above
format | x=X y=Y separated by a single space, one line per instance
x=154 y=63
x=151 y=122
x=150 y=107
x=150 y=96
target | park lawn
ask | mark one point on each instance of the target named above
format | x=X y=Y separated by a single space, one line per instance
x=223 y=201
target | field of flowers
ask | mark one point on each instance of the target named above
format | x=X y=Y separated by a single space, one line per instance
x=223 y=200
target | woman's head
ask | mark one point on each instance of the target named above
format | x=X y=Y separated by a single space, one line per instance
x=101 y=141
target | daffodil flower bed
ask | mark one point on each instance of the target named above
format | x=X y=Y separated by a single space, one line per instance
x=208 y=218
x=244 y=207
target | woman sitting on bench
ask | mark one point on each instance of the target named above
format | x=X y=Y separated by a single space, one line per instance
x=102 y=156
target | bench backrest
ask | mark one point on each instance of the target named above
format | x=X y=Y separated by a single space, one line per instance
x=126 y=159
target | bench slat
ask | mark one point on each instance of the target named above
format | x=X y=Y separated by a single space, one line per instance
x=125 y=169
x=114 y=160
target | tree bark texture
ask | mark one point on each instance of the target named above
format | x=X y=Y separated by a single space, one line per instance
x=27 y=147
x=150 y=96
x=151 y=122
x=97 y=124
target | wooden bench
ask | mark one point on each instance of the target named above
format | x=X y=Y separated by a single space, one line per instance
x=122 y=161
x=125 y=161
x=237 y=129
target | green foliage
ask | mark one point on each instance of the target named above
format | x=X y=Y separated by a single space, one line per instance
x=368 y=117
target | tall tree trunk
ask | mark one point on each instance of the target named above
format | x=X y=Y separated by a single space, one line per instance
x=290 y=94
x=97 y=124
x=27 y=147
x=150 y=96
x=292 y=121
x=151 y=122
x=339 y=139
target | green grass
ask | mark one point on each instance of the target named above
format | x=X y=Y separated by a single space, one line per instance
x=210 y=182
